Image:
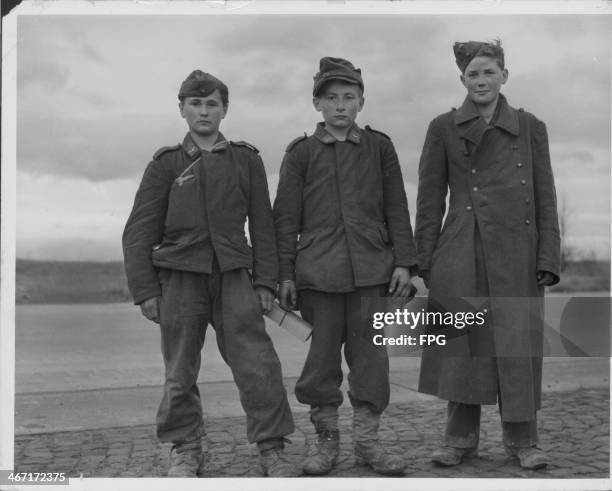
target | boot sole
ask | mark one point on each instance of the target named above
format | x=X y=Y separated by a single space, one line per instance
x=535 y=467
x=309 y=472
x=385 y=472
x=472 y=454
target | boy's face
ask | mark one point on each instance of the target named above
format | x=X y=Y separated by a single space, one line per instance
x=203 y=114
x=339 y=103
x=483 y=79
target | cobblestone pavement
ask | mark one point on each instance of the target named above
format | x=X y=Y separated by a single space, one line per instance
x=574 y=429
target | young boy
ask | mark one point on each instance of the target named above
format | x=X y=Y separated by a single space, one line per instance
x=343 y=233
x=187 y=262
x=500 y=241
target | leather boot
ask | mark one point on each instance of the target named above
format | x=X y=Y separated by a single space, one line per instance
x=323 y=453
x=186 y=459
x=367 y=447
x=273 y=461
x=529 y=457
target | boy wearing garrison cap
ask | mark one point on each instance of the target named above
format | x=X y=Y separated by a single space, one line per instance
x=187 y=262
x=500 y=241
x=343 y=233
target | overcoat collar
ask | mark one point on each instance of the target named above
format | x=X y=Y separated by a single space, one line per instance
x=353 y=135
x=192 y=149
x=472 y=126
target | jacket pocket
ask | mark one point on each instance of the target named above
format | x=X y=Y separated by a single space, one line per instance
x=384 y=234
x=305 y=240
x=183 y=205
x=241 y=244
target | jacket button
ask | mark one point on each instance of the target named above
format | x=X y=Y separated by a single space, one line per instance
x=526 y=201
x=468 y=208
x=473 y=171
x=520 y=164
x=514 y=147
x=475 y=188
x=523 y=182
x=527 y=222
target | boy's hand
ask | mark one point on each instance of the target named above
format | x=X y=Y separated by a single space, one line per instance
x=400 y=282
x=287 y=295
x=150 y=309
x=266 y=297
x=545 y=278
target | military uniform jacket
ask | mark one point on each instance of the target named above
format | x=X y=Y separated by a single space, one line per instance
x=340 y=213
x=500 y=230
x=192 y=205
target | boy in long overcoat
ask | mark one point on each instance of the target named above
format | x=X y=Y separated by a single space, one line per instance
x=500 y=240
x=343 y=232
x=187 y=261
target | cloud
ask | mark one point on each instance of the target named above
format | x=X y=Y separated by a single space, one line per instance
x=73 y=147
x=49 y=76
x=97 y=97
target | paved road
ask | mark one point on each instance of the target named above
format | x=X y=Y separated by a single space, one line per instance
x=574 y=429
x=88 y=384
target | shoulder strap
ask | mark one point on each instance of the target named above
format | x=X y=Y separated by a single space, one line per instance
x=245 y=144
x=295 y=142
x=372 y=130
x=164 y=150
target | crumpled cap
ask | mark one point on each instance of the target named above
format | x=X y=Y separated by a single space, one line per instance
x=467 y=51
x=336 y=69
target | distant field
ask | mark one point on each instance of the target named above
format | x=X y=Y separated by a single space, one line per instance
x=584 y=276
x=40 y=282
x=70 y=282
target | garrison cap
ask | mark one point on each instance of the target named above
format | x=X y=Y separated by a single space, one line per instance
x=336 y=69
x=466 y=52
x=202 y=84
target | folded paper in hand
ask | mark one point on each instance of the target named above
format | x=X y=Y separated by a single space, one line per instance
x=291 y=322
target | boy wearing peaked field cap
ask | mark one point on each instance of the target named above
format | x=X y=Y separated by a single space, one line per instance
x=343 y=233
x=187 y=262
x=499 y=242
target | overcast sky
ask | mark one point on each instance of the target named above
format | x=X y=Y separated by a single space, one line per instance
x=97 y=97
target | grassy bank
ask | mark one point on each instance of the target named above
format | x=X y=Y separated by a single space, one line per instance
x=92 y=282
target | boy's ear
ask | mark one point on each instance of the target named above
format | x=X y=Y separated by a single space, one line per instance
x=181 y=105
x=361 y=103
x=462 y=78
x=316 y=102
x=505 y=74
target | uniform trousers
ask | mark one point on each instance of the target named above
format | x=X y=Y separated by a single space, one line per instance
x=336 y=320
x=228 y=302
x=463 y=428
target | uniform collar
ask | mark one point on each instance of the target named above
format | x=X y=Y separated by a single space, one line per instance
x=353 y=135
x=192 y=149
x=505 y=117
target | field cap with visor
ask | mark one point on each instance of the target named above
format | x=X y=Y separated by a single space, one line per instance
x=336 y=69
x=202 y=84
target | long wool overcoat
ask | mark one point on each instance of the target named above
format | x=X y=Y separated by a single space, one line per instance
x=500 y=230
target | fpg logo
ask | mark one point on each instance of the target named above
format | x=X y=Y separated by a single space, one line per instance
x=429 y=339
